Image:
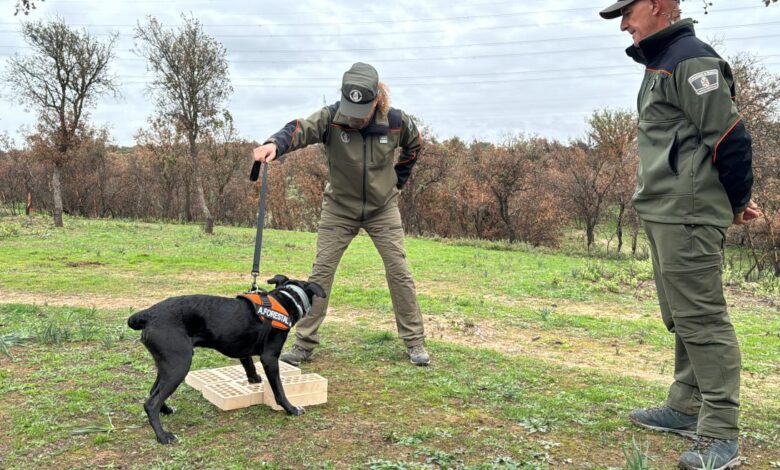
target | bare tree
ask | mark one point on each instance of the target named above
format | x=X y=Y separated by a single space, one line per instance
x=588 y=172
x=508 y=172
x=165 y=148
x=706 y=4
x=758 y=99
x=64 y=76
x=226 y=153
x=191 y=83
x=25 y=6
x=614 y=136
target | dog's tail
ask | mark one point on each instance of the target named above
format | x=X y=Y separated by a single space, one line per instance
x=137 y=321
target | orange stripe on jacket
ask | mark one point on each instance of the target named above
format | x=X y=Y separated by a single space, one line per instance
x=715 y=151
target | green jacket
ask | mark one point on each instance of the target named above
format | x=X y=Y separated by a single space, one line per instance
x=363 y=173
x=695 y=153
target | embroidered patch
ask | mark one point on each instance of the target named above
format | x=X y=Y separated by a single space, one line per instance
x=704 y=82
x=382 y=139
x=356 y=96
x=345 y=137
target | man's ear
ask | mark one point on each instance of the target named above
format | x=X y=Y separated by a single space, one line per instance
x=314 y=289
x=278 y=280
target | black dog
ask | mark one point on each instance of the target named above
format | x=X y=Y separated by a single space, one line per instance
x=174 y=327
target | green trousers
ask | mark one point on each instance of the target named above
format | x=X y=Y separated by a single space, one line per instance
x=687 y=263
x=386 y=231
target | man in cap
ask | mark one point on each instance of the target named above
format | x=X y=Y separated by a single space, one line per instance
x=694 y=181
x=360 y=134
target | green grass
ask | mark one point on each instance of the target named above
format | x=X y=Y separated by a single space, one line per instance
x=537 y=356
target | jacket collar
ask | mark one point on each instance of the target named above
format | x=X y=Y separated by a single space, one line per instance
x=653 y=46
x=380 y=123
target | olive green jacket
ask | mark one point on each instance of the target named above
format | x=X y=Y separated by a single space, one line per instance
x=695 y=153
x=363 y=173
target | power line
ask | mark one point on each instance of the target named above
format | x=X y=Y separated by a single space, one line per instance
x=429 y=84
x=382 y=33
x=439 y=58
x=593 y=9
x=453 y=46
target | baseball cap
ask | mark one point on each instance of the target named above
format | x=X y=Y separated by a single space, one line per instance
x=359 y=89
x=613 y=11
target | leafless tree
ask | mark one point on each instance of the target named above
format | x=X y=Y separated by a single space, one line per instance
x=191 y=83
x=25 y=6
x=61 y=80
x=614 y=136
x=589 y=172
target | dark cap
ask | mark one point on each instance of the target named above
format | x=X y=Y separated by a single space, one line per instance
x=359 y=89
x=613 y=11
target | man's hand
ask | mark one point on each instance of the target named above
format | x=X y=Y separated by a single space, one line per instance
x=751 y=212
x=265 y=153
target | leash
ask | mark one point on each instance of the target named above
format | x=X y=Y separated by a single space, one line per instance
x=253 y=175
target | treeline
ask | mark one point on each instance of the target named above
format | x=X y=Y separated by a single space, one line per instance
x=189 y=163
x=524 y=189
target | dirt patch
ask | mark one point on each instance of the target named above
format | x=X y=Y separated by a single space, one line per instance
x=621 y=358
x=625 y=358
x=84 y=264
x=80 y=300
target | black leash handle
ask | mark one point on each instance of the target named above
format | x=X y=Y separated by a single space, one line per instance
x=253 y=175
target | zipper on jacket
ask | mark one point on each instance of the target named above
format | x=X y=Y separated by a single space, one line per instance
x=365 y=177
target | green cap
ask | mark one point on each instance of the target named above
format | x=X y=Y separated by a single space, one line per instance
x=359 y=89
x=613 y=11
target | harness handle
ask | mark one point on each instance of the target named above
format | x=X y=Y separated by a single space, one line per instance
x=253 y=175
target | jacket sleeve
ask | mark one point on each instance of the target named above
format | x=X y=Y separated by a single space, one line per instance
x=707 y=92
x=411 y=145
x=300 y=133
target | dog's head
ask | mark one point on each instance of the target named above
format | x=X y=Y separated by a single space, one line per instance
x=302 y=292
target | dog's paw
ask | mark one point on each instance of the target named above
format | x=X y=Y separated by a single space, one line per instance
x=167 y=438
x=255 y=380
x=296 y=411
x=168 y=410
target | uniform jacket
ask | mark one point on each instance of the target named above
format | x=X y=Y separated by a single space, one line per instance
x=363 y=174
x=695 y=153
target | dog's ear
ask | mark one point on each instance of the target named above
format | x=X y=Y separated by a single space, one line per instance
x=314 y=289
x=277 y=280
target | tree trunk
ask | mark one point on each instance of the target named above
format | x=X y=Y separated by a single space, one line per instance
x=620 y=226
x=590 y=228
x=188 y=198
x=56 y=190
x=201 y=195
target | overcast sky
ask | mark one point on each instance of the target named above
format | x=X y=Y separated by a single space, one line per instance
x=473 y=69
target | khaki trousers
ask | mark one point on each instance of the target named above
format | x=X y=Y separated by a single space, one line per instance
x=386 y=231
x=687 y=261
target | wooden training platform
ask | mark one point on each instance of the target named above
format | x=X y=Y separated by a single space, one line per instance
x=228 y=388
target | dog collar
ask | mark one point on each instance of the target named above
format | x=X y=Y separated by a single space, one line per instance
x=301 y=294
x=297 y=307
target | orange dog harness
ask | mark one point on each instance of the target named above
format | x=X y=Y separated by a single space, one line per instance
x=269 y=308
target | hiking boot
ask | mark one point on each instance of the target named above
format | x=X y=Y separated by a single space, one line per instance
x=296 y=355
x=665 y=419
x=711 y=454
x=418 y=355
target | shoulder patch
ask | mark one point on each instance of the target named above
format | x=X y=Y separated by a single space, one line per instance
x=704 y=82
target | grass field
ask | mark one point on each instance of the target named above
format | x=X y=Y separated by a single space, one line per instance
x=537 y=356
